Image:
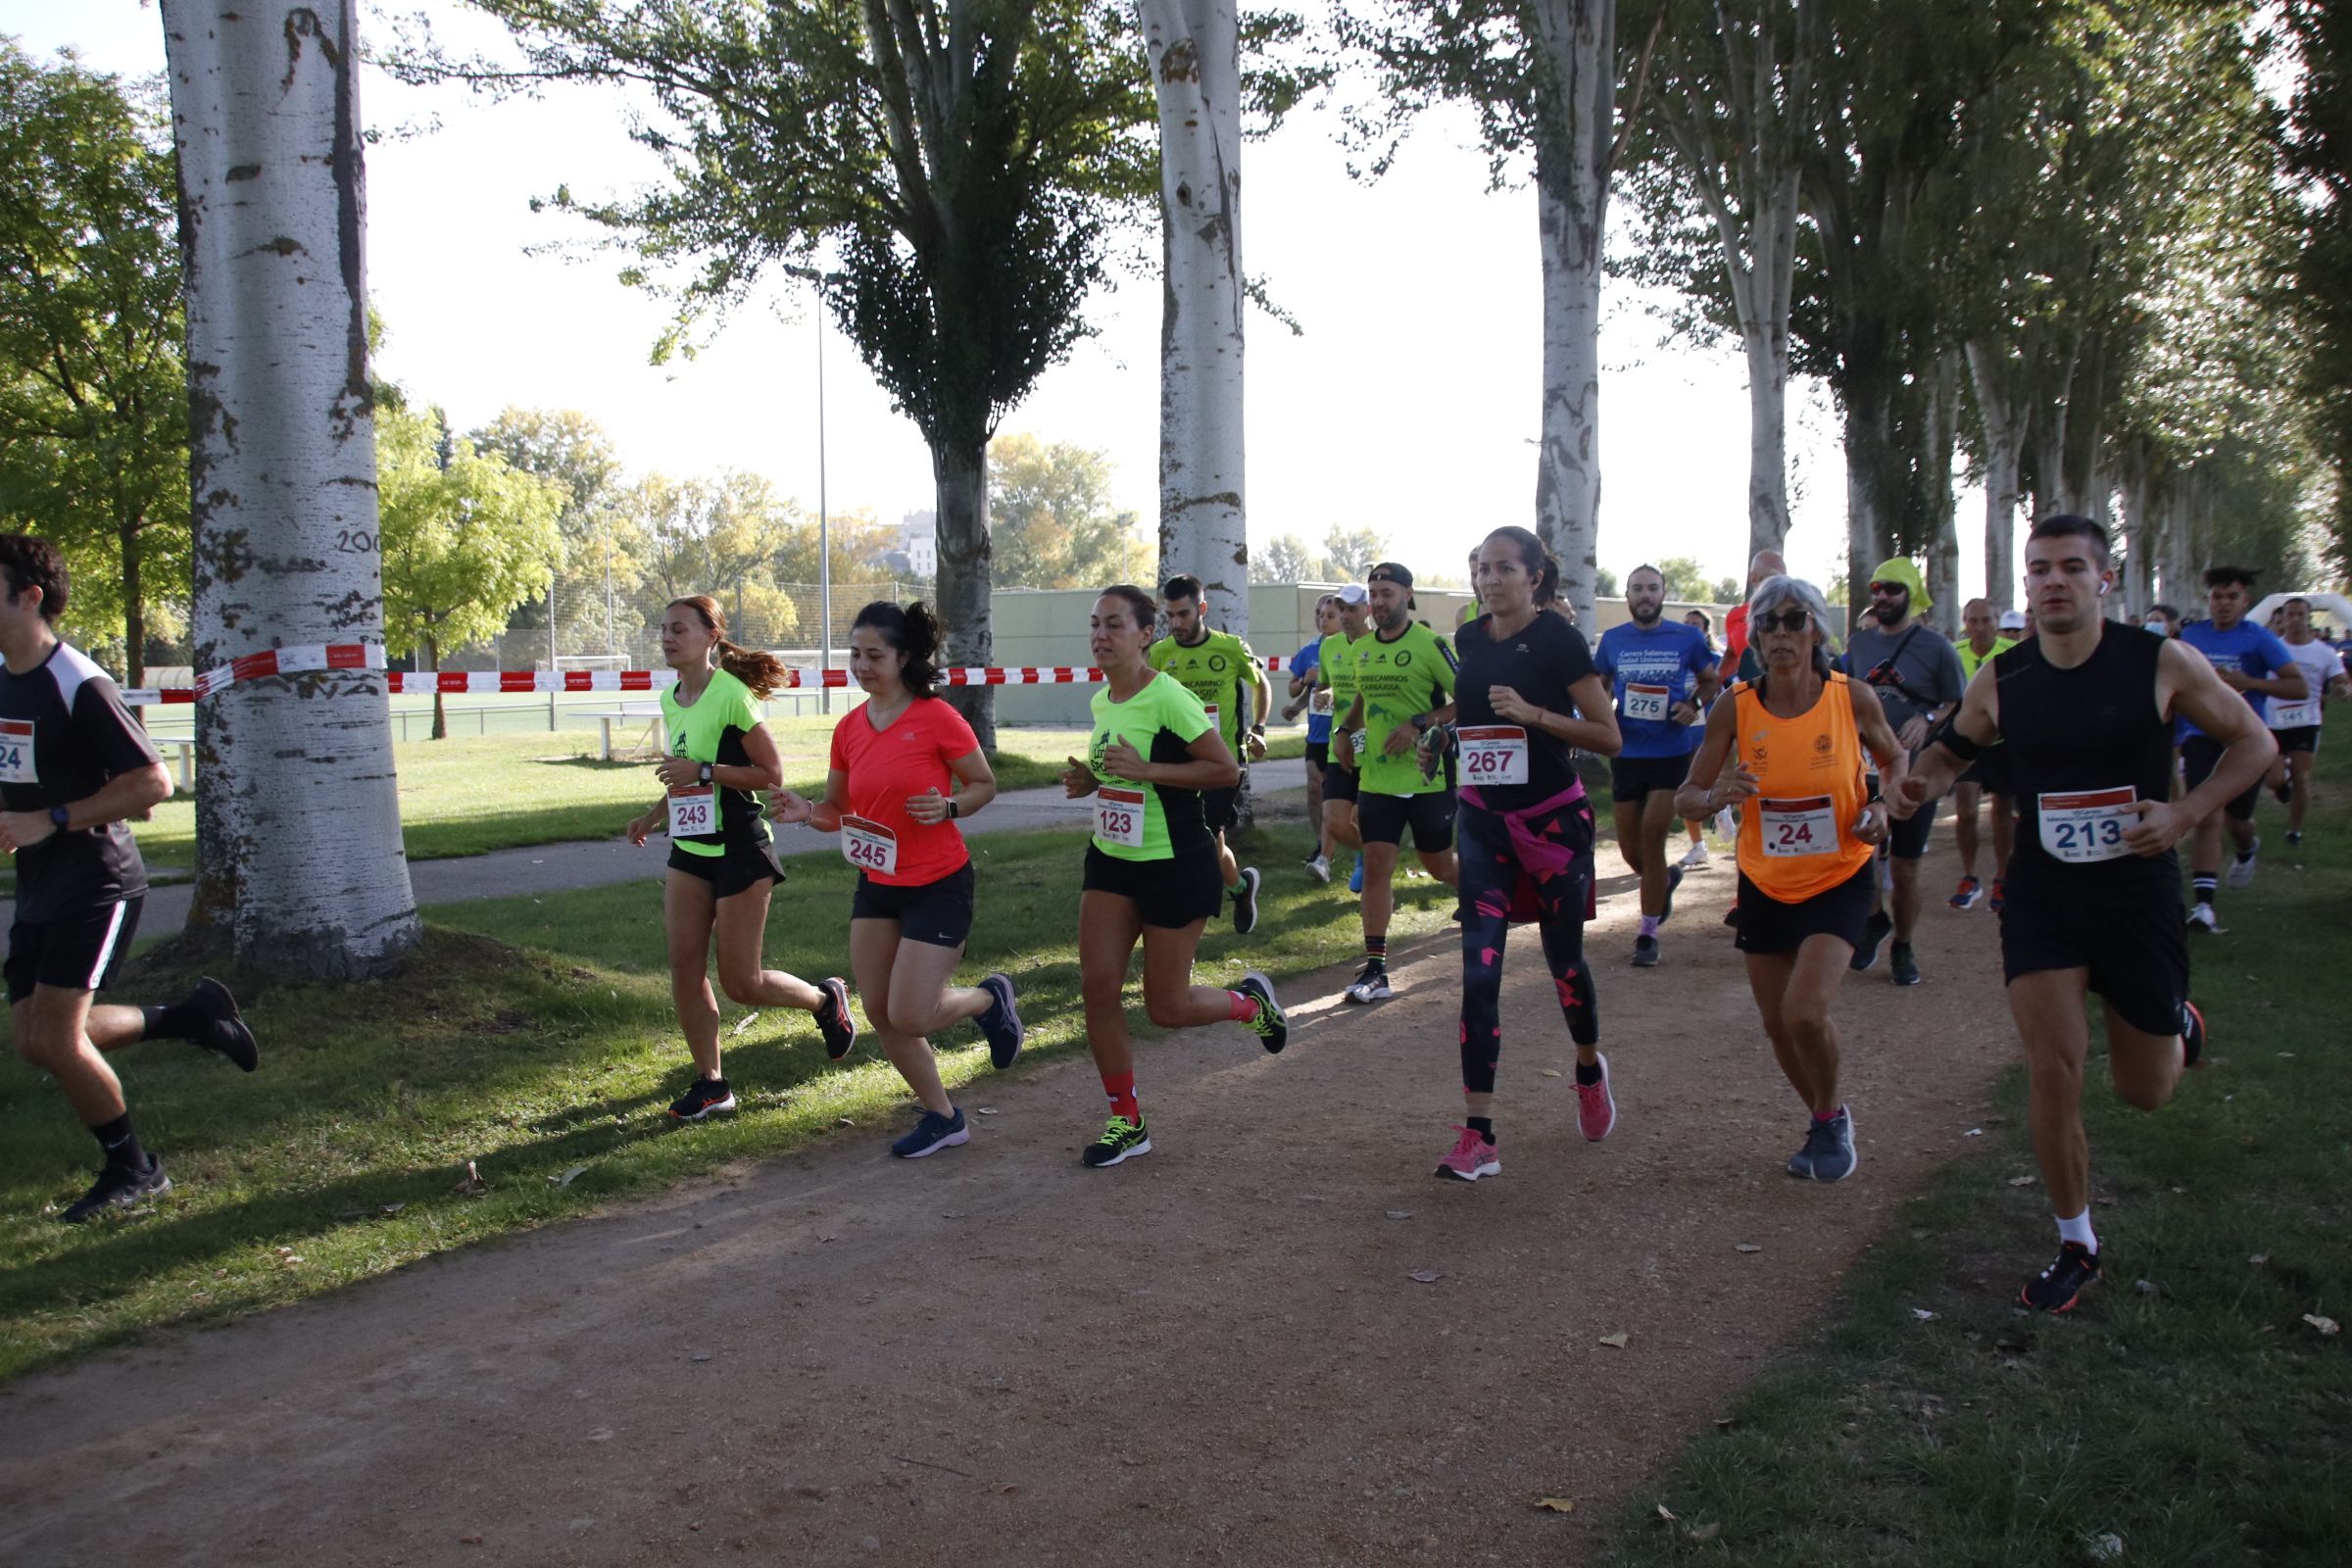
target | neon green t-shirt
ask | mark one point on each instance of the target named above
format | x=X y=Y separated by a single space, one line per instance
x=1970 y=660
x=712 y=731
x=1162 y=720
x=1397 y=680
x=1217 y=670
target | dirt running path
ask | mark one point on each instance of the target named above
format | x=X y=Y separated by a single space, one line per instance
x=1214 y=1353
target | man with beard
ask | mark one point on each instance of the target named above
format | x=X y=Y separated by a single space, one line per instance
x=1920 y=683
x=1663 y=675
x=2255 y=664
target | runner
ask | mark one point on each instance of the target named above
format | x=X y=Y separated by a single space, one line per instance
x=906 y=768
x=2161 y=619
x=1152 y=867
x=2085 y=712
x=1471 y=610
x=1218 y=669
x=1663 y=675
x=1698 y=855
x=2297 y=725
x=1526 y=827
x=1403 y=688
x=1743 y=662
x=75 y=766
x=1791 y=746
x=1310 y=697
x=1980 y=641
x=722 y=865
x=2256 y=663
x=1335 y=673
x=1918 y=678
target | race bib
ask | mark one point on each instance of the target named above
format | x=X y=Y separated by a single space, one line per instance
x=692 y=811
x=1648 y=702
x=2086 y=826
x=869 y=846
x=1119 y=815
x=15 y=751
x=1793 y=829
x=1493 y=754
x=2283 y=716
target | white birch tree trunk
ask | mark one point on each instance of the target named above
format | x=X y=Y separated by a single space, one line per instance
x=1573 y=156
x=2005 y=420
x=1194 y=49
x=298 y=768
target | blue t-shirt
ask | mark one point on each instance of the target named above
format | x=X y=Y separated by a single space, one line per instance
x=1304 y=663
x=1661 y=666
x=2246 y=648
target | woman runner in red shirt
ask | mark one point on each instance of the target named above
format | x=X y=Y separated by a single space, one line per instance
x=906 y=768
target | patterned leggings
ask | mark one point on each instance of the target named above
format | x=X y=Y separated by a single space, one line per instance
x=1533 y=865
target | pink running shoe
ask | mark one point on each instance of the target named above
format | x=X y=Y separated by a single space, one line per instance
x=1471 y=1157
x=1595 y=1106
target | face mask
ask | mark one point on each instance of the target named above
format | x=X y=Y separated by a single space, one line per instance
x=2156 y=624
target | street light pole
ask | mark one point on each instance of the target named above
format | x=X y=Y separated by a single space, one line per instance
x=825 y=531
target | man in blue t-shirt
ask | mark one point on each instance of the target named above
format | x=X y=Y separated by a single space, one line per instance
x=1662 y=674
x=2253 y=660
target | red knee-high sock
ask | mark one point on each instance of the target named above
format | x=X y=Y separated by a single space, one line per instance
x=1120 y=1087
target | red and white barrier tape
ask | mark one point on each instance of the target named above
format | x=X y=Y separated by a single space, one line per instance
x=370 y=655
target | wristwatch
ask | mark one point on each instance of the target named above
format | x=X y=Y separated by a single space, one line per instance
x=704 y=772
x=1257 y=729
x=951 y=813
x=60 y=816
x=1421 y=723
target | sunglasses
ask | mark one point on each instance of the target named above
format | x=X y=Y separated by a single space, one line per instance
x=1787 y=620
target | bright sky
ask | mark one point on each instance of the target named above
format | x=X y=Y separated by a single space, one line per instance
x=1410 y=406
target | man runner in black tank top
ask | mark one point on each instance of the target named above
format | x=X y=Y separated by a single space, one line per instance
x=2085 y=710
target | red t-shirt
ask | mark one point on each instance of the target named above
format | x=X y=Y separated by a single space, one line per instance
x=884 y=768
x=1734 y=636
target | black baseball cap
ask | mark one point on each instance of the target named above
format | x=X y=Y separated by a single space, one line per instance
x=1390 y=571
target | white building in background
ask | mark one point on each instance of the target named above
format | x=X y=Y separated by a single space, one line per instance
x=918 y=542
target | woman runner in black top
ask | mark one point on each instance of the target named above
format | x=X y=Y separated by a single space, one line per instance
x=1525 y=827
x=2085 y=710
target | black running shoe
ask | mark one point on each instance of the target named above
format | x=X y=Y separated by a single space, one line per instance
x=119 y=1187
x=1674 y=879
x=1001 y=1022
x=1122 y=1139
x=1270 y=1025
x=2192 y=1035
x=225 y=1030
x=1906 y=967
x=2295 y=838
x=704 y=1097
x=2059 y=1286
x=1866 y=952
x=1245 y=903
x=834 y=1020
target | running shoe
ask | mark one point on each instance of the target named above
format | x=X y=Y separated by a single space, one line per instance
x=2201 y=917
x=704 y=1097
x=119 y=1187
x=224 y=1027
x=1318 y=868
x=2295 y=838
x=1695 y=855
x=1645 y=953
x=1270 y=1025
x=1905 y=966
x=2059 y=1286
x=2284 y=793
x=1800 y=1163
x=1674 y=879
x=933 y=1134
x=1866 y=952
x=1595 y=1106
x=1356 y=878
x=1245 y=903
x=2241 y=869
x=2000 y=896
x=1371 y=984
x=1471 y=1157
x=1966 y=894
x=1831 y=1148
x=1121 y=1140
x=1001 y=1023
x=834 y=1019
x=2192 y=1035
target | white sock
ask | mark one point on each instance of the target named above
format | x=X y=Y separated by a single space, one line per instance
x=2077 y=1229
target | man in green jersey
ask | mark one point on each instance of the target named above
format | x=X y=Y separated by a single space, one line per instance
x=1335 y=671
x=1219 y=668
x=1404 y=677
x=1983 y=640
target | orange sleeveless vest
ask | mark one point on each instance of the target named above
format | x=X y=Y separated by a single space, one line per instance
x=1796 y=835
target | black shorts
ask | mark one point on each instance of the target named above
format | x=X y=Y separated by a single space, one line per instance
x=1170 y=894
x=1907 y=837
x=1217 y=805
x=2302 y=738
x=2137 y=949
x=744 y=866
x=1633 y=779
x=1767 y=925
x=937 y=913
x=1338 y=784
x=78 y=953
x=2198 y=756
x=1383 y=819
x=1318 y=754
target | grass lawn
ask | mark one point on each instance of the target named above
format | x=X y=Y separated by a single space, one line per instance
x=2197 y=1418
x=533 y=1037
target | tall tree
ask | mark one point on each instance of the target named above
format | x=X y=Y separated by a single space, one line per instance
x=1052 y=516
x=298 y=818
x=960 y=160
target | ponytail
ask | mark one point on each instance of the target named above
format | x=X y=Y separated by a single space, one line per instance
x=912 y=631
x=764 y=673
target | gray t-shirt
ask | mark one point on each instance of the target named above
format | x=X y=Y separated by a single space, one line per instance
x=1924 y=677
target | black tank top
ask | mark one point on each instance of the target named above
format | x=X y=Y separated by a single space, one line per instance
x=2073 y=734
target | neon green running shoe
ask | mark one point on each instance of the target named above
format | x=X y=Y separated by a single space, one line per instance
x=1120 y=1140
